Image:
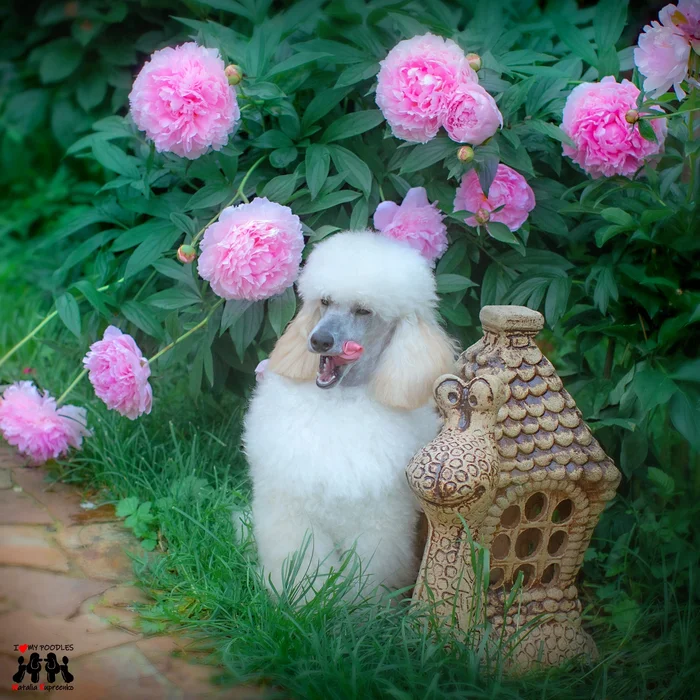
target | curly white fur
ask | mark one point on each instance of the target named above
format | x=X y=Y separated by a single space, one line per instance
x=333 y=462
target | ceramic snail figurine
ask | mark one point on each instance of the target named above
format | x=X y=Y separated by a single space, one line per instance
x=522 y=468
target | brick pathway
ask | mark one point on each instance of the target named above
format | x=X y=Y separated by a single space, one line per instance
x=65 y=578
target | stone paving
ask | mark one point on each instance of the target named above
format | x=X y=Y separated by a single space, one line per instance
x=66 y=579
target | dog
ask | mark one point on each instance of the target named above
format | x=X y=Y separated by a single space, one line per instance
x=345 y=402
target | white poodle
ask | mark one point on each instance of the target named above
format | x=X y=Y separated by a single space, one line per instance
x=344 y=404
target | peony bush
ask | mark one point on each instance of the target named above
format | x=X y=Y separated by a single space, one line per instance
x=535 y=157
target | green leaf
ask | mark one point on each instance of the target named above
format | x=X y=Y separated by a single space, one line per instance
x=243 y=332
x=318 y=163
x=453 y=257
x=501 y=232
x=557 y=299
x=150 y=250
x=647 y=132
x=685 y=416
x=113 y=158
x=209 y=196
x=354 y=169
x=605 y=289
x=296 y=61
x=428 y=154
x=603 y=235
x=459 y=315
x=321 y=105
x=184 y=223
x=548 y=129
x=173 y=298
x=352 y=124
x=143 y=318
x=653 y=388
x=95 y=298
x=608 y=22
x=359 y=216
x=447 y=283
x=264 y=91
x=355 y=74
x=127 y=506
x=326 y=201
x=574 y=38
x=282 y=157
x=634 y=451
x=176 y=271
x=281 y=310
x=91 y=90
x=662 y=480
x=138 y=234
x=273 y=139
x=619 y=217
x=69 y=312
x=59 y=59
x=281 y=188
x=233 y=310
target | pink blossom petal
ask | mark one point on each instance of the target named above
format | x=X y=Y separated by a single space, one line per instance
x=253 y=251
x=416 y=222
x=509 y=190
x=36 y=426
x=605 y=144
x=119 y=374
x=384 y=214
x=182 y=100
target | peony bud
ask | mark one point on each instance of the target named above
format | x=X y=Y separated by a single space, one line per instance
x=186 y=254
x=70 y=9
x=234 y=74
x=474 y=60
x=482 y=216
x=632 y=116
x=465 y=154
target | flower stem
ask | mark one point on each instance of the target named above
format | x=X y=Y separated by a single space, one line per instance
x=41 y=324
x=27 y=337
x=239 y=193
x=192 y=330
x=70 y=388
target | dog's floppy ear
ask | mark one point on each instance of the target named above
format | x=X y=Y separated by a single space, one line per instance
x=419 y=352
x=291 y=357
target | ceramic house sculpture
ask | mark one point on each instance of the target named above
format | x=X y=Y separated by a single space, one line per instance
x=516 y=462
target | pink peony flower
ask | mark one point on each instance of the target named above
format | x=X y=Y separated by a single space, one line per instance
x=36 y=426
x=472 y=115
x=416 y=222
x=183 y=101
x=119 y=373
x=685 y=18
x=662 y=57
x=605 y=143
x=415 y=83
x=509 y=190
x=261 y=369
x=253 y=251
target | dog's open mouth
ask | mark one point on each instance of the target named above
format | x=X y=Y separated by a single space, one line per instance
x=330 y=370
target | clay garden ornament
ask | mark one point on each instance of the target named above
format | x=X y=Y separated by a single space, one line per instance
x=515 y=462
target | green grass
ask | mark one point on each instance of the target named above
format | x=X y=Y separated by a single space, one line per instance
x=640 y=585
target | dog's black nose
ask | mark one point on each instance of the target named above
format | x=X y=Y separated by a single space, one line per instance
x=321 y=341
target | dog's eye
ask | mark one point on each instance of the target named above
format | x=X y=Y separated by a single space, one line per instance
x=326 y=301
x=362 y=312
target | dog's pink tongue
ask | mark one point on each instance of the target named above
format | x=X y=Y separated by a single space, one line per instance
x=351 y=350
